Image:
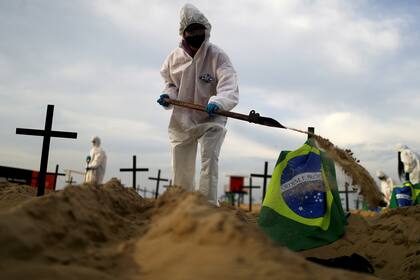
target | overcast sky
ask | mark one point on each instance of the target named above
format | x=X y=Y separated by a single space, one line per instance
x=349 y=68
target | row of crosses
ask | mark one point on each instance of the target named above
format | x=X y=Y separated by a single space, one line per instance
x=134 y=170
x=155 y=193
x=48 y=133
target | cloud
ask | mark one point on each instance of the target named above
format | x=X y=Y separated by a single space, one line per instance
x=405 y=101
x=146 y=20
x=237 y=146
x=354 y=128
x=350 y=69
x=332 y=34
x=304 y=28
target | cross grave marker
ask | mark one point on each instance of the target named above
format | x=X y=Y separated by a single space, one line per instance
x=265 y=176
x=346 y=193
x=250 y=187
x=47 y=133
x=158 y=179
x=134 y=170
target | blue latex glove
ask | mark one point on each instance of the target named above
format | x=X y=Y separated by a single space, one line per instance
x=161 y=100
x=212 y=108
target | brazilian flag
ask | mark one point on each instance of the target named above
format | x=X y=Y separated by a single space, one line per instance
x=406 y=194
x=302 y=208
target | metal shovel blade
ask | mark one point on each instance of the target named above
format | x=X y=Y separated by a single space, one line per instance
x=270 y=122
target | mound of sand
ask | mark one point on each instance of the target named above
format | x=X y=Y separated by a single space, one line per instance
x=13 y=194
x=71 y=234
x=390 y=241
x=110 y=232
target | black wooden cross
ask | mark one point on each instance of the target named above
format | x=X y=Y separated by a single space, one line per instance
x=134 y=170
x=357 y=202
x=70 y=182
x=55 y=176
x=145 y=191
x=168 y=185
x=47 y=133
x=158 y=179
x=265 y=176
x=250 y=187
x=346 y=192
x=240 y=197
x=231 y=197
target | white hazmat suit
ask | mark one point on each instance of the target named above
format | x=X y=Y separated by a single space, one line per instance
x=97 y=164
x=387 y=185
x=207 y=77
x=411 y=161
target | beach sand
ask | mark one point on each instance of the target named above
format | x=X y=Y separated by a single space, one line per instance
x=111 y=232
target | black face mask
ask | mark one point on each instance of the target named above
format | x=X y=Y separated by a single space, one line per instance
x=195 y=41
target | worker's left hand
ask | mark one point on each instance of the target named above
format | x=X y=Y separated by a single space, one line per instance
x=212 y=108
x=162 y=101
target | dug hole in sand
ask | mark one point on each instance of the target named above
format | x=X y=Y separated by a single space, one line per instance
x=110 y=232
x=390 y=241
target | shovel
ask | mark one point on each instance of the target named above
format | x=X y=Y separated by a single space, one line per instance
x=253 y=117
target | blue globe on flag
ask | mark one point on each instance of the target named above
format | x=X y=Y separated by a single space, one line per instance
x=302 y=186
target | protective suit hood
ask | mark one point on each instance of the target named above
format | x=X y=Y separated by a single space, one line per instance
x=400 y=147
x=380 y=174
x=96 y=141
x=189 y=14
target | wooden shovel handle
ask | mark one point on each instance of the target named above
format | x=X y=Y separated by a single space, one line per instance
x=203 y=109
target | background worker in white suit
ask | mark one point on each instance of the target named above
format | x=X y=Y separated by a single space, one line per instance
x=95 y=170
x=411 y=163
x=387 y=185
x=198 y=72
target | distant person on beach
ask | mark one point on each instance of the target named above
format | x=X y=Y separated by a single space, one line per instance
x=387 y=185
x=408 y=162
x=96 y=163
x=198 y=72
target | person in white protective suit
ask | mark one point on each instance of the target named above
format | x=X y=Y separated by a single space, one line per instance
x=96 y=163
x=411 y=163
x=387 y=185
x=198 y=72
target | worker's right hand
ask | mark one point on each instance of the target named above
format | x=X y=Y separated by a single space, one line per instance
x=162 y=101
x=212 y=108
